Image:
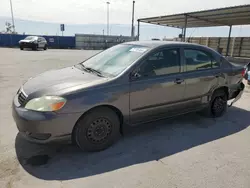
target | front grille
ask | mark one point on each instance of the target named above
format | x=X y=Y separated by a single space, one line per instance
x=21 y=98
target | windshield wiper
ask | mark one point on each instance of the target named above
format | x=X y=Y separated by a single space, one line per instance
x=88 y=69
x=98 y=73
x=82 y=67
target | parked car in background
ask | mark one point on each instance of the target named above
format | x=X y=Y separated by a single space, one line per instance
x=248 y=77
x=33 y=42
x=247 y=73
x=125 y=85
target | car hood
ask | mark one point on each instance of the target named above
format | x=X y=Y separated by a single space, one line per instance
x=26 y=40
x=52 y=81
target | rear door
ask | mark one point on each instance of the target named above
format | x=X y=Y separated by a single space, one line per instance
x=40 y=43
x=201 y=73
x=44 y=41
x=157 y=89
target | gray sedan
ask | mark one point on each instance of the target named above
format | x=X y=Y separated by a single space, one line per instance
x=126 y=85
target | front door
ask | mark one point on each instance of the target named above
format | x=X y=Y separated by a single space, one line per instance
x=157 y=89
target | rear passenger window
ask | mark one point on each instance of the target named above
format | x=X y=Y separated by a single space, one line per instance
x=163 y=62
x=198 y=60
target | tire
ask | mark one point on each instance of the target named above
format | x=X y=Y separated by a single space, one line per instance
x=217 y=106
x=97 y=130
x=45 y=47
x=35 y=47
x=21 y=48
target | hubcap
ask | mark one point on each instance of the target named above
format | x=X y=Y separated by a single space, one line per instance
x=99 y=130
x=218 y=105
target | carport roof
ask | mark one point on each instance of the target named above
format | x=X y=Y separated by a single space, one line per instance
x=236 y=15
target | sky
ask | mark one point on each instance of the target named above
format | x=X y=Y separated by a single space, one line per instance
x=81 y=16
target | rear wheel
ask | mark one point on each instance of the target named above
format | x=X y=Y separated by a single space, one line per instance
x=218 y=104
x=97 y=130
x=21 y=48
x=45 y=47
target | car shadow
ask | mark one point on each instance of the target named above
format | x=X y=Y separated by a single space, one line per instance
x=29 y=49
x=154 y=142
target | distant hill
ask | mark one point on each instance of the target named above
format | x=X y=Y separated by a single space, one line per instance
x=147 y=31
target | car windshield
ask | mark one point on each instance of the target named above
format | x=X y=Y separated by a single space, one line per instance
x=115 y=59
x=30 y=38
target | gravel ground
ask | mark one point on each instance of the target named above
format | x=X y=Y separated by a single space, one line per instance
x=189 y=151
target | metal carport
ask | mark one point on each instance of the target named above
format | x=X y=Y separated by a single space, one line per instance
x=229 y=16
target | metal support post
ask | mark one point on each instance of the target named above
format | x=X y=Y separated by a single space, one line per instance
x=108 y=3
x=228 y=40
x=185 y=28
x=182 y=33
x=12 y=16
x=138 y=32
x=133 y=15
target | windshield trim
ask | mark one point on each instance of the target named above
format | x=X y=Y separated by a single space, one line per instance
x=30 y=38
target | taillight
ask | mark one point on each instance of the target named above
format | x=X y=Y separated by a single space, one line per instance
x=243 y=72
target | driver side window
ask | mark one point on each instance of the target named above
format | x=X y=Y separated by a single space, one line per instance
x=162 y=62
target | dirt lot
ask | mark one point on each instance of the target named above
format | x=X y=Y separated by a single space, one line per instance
x=189 y=151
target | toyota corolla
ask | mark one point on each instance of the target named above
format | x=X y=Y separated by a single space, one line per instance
x=126 y=85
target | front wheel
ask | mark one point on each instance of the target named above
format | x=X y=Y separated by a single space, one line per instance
x=35 y=47
x=45 y=47
x=218 y=105
x=97 y=130
x=21 y=48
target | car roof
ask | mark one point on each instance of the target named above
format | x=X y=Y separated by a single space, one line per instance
x=154 y=44
x=35 y=36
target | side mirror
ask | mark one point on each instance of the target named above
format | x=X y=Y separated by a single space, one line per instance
x=135 y=75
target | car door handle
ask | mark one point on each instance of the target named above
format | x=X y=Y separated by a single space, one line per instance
x=178 y=81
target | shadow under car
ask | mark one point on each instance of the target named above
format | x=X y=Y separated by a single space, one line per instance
x=151 y=142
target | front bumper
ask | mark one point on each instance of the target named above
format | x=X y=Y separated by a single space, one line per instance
x=236 y=95
x=27 y=45
x=43 y=127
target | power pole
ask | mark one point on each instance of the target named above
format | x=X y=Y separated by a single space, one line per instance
x=13 y=23
x=133 y=15
x=108 y=17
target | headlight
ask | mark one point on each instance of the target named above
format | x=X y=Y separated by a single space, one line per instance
x=46 y=103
